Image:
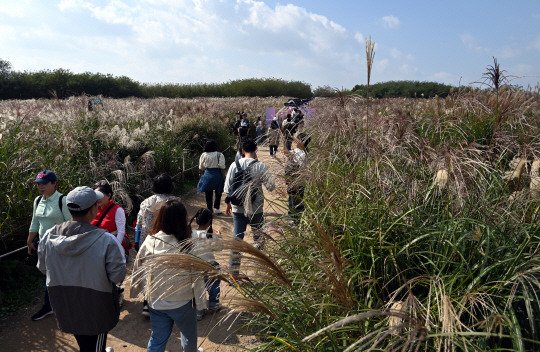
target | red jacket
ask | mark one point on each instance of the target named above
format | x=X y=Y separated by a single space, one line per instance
x=109 y=222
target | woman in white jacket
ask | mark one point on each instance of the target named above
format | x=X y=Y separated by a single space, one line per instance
x=170 y=292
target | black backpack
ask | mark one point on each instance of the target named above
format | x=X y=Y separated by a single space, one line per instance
x=60 y=205
x=241 y=182
x=290 y=129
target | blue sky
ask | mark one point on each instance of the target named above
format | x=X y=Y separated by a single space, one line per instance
x=320 y=42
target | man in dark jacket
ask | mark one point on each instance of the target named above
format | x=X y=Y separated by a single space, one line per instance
x=82 y=264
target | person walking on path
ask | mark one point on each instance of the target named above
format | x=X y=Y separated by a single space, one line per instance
x=82 y=264
x=49 y=209
x=274 y=137
x=162 y=187
x=211 y=164
x=171 y=293
x=110 y=216
x=259 y=129
x=259 y=175
x=243 y=130
x=207 y=243
x=296 y=161
x=288 y=129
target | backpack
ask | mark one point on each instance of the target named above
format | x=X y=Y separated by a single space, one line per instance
x=241 y=182
x=289 y=129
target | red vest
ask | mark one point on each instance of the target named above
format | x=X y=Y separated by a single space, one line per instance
x=109 y=222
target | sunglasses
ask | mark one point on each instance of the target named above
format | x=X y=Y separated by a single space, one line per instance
x=100 y=183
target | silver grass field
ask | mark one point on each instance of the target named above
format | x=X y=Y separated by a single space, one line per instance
x=421 y=230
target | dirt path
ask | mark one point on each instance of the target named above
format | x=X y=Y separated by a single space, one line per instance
x=19 y=333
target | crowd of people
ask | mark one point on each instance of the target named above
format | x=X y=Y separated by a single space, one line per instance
x=82 y=245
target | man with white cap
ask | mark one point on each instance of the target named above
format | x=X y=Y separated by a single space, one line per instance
x=82 y=263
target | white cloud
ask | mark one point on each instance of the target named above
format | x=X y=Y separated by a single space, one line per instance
x=359 y=37
x=290 y=22
x=9 y=34
x=15 y=9
x=72 y=4
x=236 y=38
x=390 y=22
x=472 y=43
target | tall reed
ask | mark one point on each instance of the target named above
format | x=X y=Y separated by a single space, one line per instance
x=387 y=256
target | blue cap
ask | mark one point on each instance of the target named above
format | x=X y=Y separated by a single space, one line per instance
x=45 y=177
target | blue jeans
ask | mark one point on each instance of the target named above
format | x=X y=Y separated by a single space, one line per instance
x=240 y=222
x=162 y=322
x=259 y=134
x=213 y=287
x=288 y=144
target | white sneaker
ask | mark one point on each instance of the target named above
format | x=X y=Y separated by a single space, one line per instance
x=200 y=349
x=217 y=211
x=109 y=349
x=145 y=311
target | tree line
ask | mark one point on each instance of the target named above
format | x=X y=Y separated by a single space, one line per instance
x=61 y=83
x=409 y=89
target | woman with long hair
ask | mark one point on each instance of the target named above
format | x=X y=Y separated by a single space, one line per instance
x=162 y=187
x=170 y=292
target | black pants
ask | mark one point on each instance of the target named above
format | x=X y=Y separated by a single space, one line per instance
x=296 y=202
x=209 y=199
x=92 y=343
x=273 y=149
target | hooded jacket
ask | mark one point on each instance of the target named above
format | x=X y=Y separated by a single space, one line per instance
x=81 y=263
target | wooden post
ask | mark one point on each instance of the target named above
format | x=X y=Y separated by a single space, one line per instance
x=184 y=152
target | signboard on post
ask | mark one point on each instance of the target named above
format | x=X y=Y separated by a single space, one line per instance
x=270 y=113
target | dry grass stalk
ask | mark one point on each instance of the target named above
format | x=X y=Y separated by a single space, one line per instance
x=256 y=260
x=346 y=321
x=393 y=320
x=370 y=55
x=157 y=271
x=535 y=177
x=243 y=304
x=441 y=179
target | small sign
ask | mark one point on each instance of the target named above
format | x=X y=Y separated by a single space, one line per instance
x=270 y=113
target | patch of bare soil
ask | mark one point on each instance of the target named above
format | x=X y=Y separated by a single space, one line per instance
x=217 y=332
